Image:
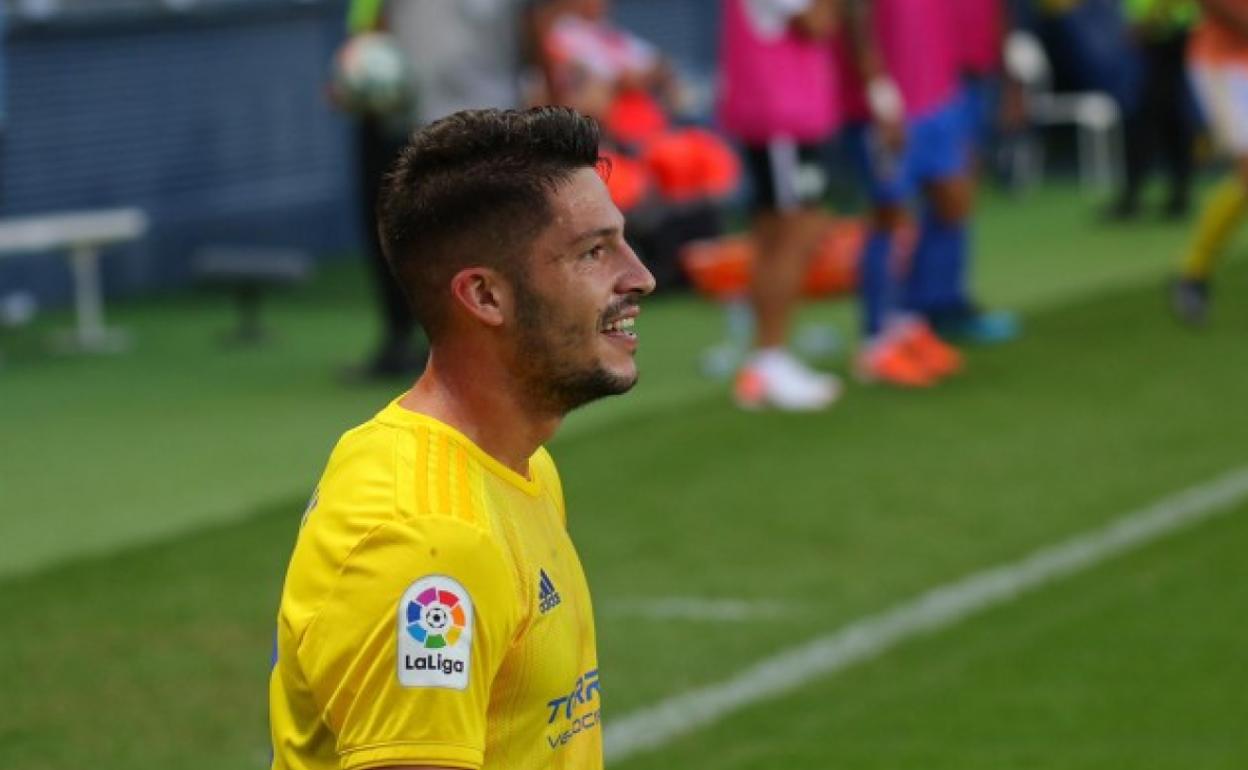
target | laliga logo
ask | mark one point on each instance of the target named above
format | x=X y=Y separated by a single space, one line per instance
x=434 y=627
x=436 y=620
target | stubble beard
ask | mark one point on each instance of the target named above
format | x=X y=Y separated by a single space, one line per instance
x=548 y=351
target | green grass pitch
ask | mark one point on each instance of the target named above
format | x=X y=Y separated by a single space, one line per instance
x=148 y=504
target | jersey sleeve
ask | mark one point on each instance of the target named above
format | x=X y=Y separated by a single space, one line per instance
x=402 y=654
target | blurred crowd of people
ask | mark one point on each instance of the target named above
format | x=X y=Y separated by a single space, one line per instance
x=911 y=93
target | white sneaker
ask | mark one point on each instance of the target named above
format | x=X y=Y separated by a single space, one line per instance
x=774 y=377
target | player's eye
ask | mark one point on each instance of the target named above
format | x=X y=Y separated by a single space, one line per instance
x=596 y=252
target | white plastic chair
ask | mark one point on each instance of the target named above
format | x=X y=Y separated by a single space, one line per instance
x=1095 y=116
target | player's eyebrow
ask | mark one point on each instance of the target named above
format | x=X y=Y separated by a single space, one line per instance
x=597 y=232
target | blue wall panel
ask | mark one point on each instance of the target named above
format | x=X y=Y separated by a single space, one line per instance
x=216 y=126
x=686 y=30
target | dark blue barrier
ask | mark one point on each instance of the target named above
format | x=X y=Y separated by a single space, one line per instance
x=214 y=123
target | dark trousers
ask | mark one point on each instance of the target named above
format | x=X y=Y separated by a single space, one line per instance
x=1161 y=127
x=378 y=149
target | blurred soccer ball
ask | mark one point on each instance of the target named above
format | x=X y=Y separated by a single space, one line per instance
x=371 y=76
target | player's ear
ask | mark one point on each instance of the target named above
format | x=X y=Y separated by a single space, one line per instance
x=482 y=293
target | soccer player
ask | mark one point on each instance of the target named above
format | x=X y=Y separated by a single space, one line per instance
x=778 y=98
x=1219 y=67
x=901 y=88
x=434 y=613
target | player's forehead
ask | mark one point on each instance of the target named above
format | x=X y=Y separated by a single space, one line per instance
x=579 y=207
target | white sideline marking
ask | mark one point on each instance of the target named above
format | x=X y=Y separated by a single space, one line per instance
x=696 y=608
x=654 y=726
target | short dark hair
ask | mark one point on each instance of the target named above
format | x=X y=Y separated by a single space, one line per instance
x=474 y=188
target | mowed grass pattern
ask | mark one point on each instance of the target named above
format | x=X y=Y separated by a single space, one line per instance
x=184 y=432
x=157 y=655
x=1138 y=663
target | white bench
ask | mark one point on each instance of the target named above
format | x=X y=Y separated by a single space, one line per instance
x=81 y=235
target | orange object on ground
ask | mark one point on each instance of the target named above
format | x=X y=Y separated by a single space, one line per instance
x=834 y=267
x=721 y=268
x=690 y=164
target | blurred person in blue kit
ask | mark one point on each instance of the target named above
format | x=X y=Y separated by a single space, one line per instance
x=907 y=135
x=1159 y=121
x=460 y=54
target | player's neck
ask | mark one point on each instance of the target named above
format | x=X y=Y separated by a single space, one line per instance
x=481 y=406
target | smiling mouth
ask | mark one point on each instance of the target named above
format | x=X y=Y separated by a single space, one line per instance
x=623 y=326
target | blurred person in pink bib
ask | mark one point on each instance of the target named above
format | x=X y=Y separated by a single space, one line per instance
x=778 y=98
x=902 y=86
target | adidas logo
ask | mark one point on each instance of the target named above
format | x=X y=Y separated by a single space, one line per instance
x=547 y=597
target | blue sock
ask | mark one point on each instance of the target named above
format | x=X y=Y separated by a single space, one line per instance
x=937 y=278
x=875 y=282
x=918 y=283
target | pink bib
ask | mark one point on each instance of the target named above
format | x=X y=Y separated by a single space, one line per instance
x=919 y=43
x=980 y=26
x=772 y=87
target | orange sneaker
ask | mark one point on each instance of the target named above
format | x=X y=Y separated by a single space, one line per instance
x=749 y=389
x=937 y=357
x=891 y=362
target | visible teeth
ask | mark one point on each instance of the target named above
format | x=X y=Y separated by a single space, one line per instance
x=619 y=325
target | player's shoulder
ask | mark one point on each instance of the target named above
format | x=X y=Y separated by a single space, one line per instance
x=391 y=493
x=355 y=494
x=416 y=466
x=361 y=475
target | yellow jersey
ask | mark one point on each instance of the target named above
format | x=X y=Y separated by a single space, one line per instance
x=434 y=613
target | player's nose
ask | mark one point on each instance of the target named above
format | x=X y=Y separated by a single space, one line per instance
x=636 y=278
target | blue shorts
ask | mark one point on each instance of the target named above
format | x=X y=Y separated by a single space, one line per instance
x=936 y=149
x=981 y=99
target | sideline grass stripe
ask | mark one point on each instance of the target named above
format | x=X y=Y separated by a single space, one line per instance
x=654 y=726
